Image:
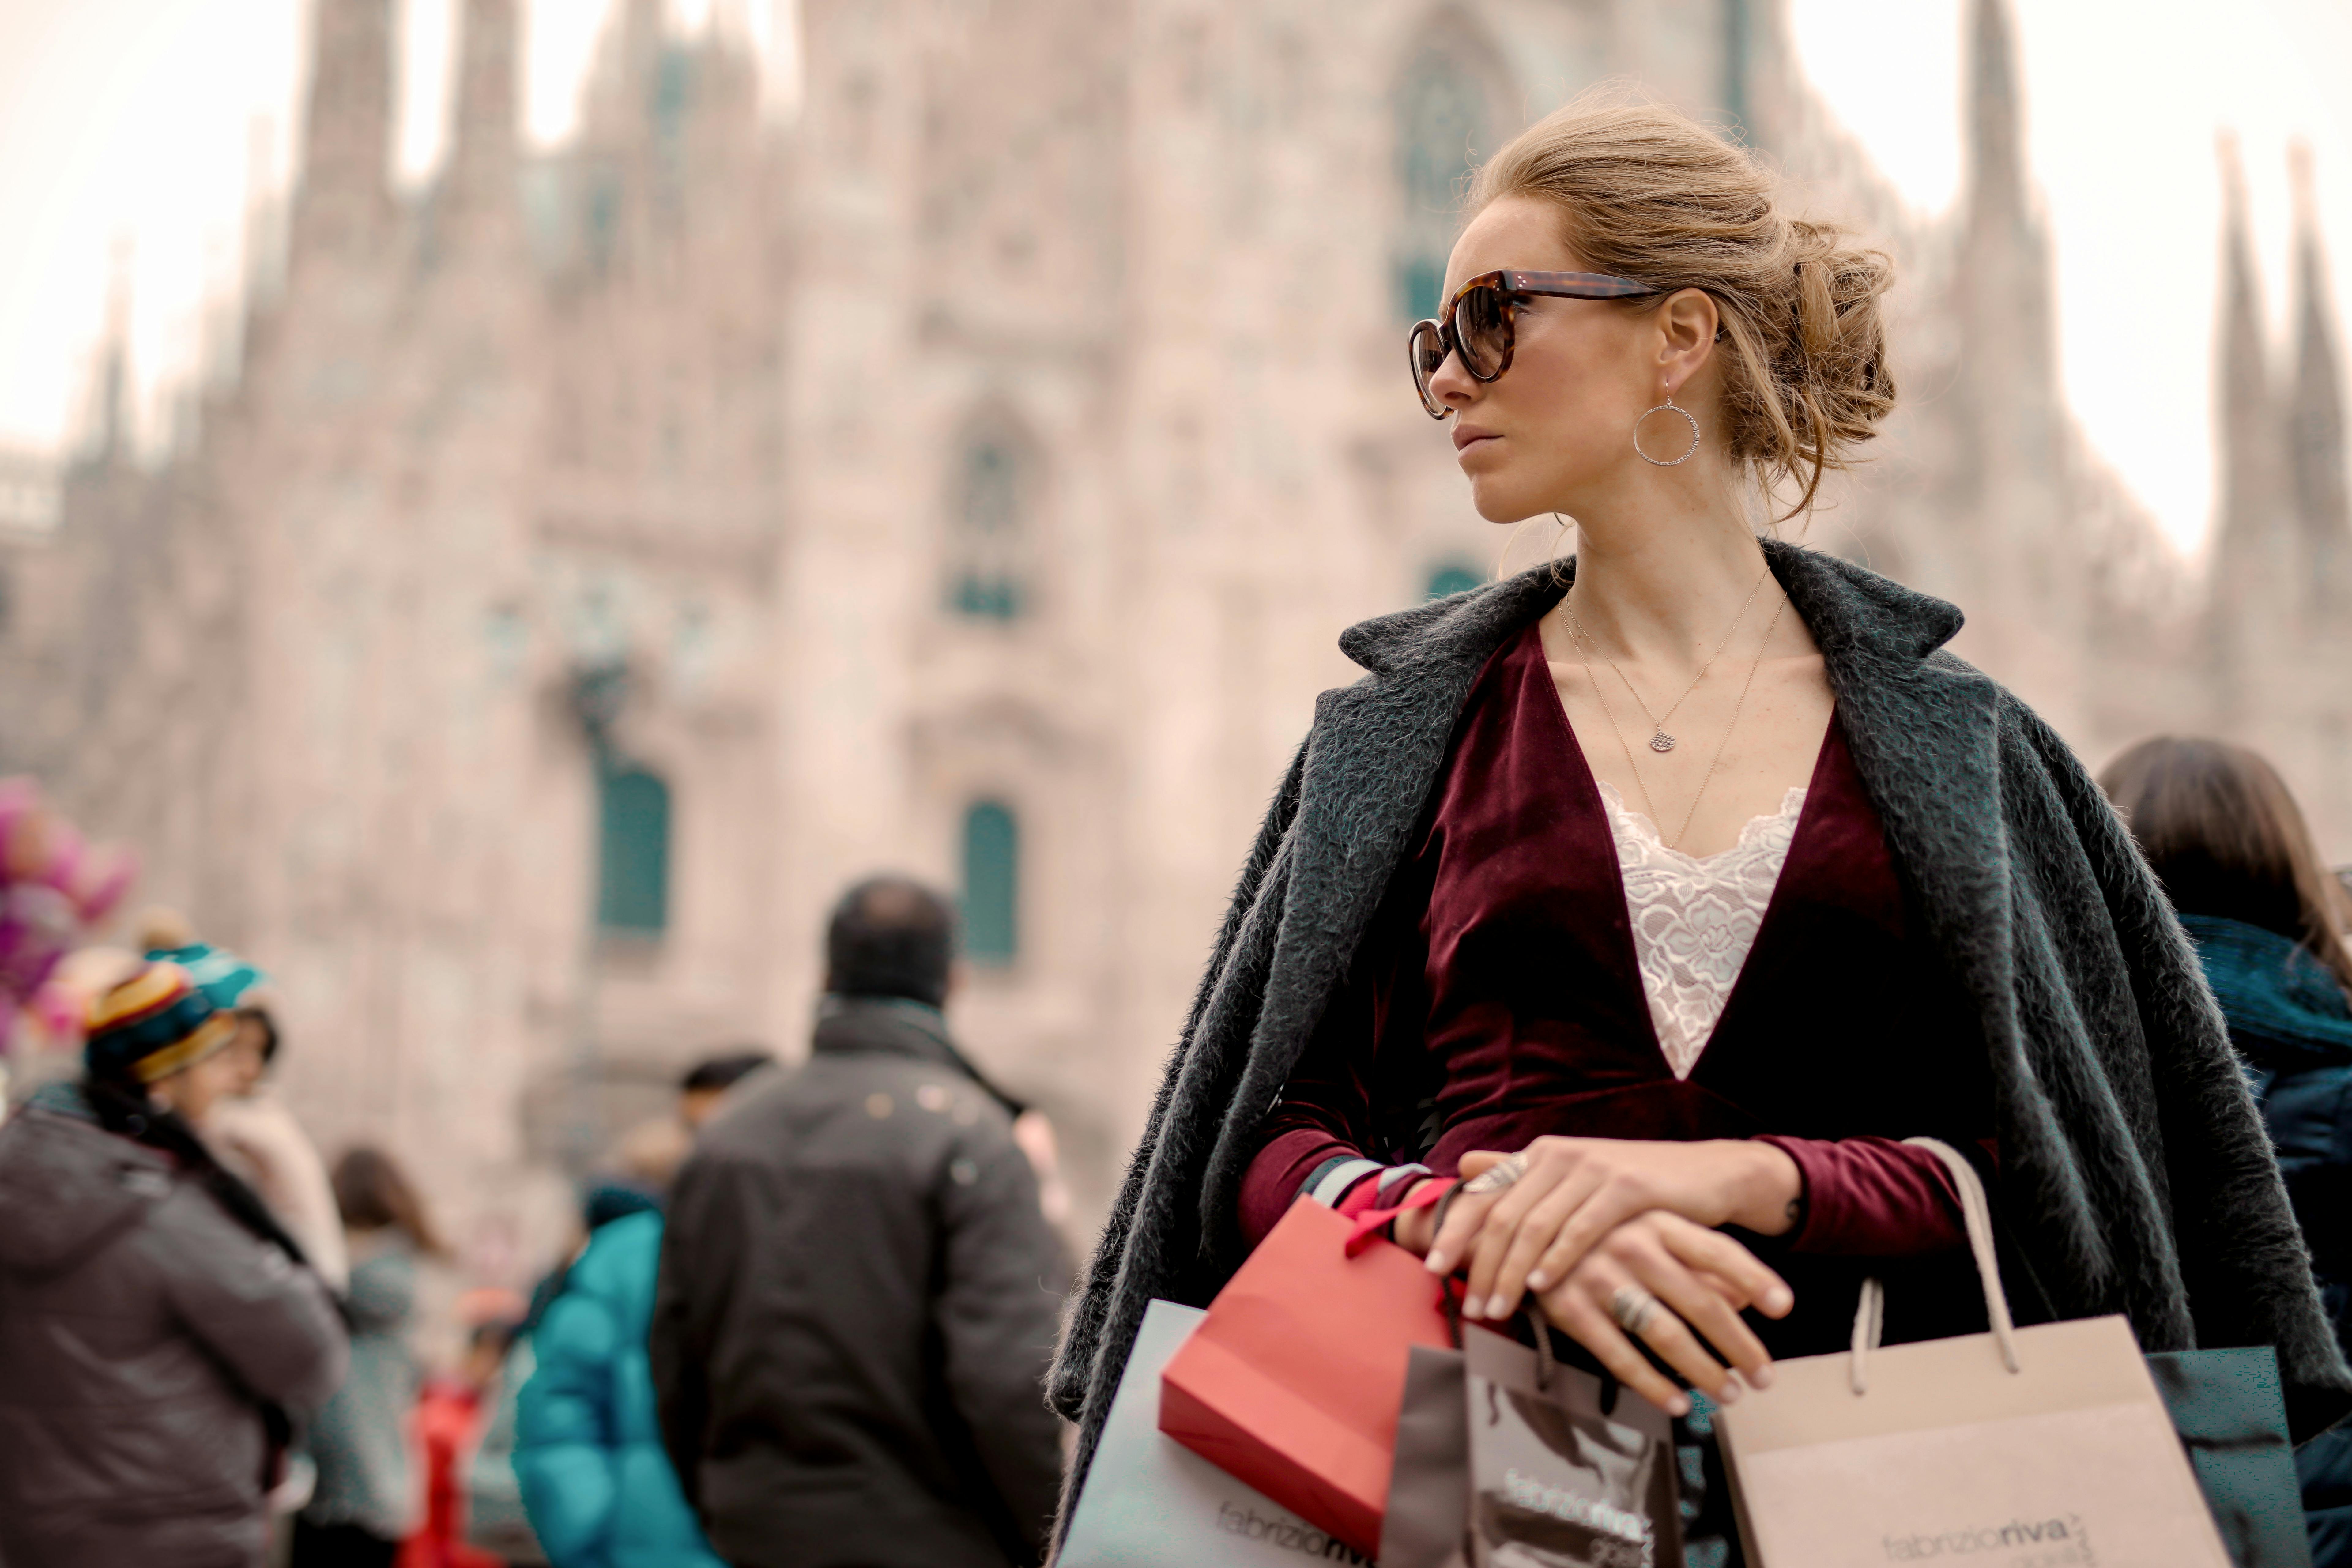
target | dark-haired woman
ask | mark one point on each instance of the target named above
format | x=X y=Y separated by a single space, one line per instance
x=159 y=1332
x=365 y=1502
x=1661 y=893
x=2226 y=840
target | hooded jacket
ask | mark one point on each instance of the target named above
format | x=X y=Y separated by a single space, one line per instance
x=858 y=1300
x=588 y=1451
x=2290 y=1019
x=2135 y=1176
x=142 y=1332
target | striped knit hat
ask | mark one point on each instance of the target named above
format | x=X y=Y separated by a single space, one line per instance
x=220 y=974
x=151 y=1026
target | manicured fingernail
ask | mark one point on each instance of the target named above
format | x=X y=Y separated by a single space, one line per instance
x=1730 y=1391
x=1539 y=1281
x=1678 y=1405
x=1761 y=1376
x=1436 y=1263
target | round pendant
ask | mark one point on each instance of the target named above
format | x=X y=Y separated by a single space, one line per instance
x=1662 y=742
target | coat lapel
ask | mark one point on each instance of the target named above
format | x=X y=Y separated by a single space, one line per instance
x=1924 y=732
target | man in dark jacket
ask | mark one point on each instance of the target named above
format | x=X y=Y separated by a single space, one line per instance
x=859 y=1294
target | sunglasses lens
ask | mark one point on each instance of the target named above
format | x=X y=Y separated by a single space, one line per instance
x=1481 y=324
x=1428 y=351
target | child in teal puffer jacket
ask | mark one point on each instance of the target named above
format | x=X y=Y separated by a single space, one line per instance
x=588 y=1451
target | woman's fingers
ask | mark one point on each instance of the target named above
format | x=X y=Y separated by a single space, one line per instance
x=1473 y=1215
x=1692 y=1301
x=1587 y=1322
x=1712 y=1253
x=1501 y=1260
x=1463 y=1215
x=1582 y=1231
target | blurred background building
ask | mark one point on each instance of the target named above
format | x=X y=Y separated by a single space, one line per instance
x=592 y=564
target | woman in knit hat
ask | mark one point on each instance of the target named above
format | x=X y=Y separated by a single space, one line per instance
x=251 y=1127
x=155 y=1441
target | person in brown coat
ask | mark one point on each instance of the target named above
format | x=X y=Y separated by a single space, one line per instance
x=159 y=1332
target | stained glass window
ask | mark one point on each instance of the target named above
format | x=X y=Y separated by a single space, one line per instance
x=633 y=862
x=1443 y=126
x=1452 y=577
x=992 y=884
x=985 y=558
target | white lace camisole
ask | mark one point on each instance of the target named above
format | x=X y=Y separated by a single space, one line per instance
x=1695 y=918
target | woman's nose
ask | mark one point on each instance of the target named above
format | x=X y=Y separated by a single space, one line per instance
x=1453 y=386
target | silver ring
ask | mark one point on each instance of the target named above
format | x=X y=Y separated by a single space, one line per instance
x=1632 y=1308
x=1496 y=1176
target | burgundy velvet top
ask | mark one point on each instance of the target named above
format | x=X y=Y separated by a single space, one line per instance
x=1497 y=998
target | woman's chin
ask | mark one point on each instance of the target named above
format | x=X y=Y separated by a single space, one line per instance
x=1503 y=503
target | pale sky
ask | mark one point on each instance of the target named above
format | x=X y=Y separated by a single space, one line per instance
x=136 y=118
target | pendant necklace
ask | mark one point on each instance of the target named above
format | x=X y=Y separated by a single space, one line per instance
x=1659 y=739
x=1737 y=707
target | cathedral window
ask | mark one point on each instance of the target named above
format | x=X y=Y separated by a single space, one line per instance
x=632 y=843
x=1443 y=123
x=986 y=558
x=992 y=884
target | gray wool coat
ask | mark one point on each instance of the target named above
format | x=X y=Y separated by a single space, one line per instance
x=2135 y=1173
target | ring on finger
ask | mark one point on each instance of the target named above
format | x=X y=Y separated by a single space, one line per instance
x=1631 y=1307
x=1496 y=1176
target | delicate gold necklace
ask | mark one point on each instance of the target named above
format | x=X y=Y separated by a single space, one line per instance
x=1659 y=739
x=1738 y=707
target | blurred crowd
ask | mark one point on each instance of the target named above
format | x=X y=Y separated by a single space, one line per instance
x=803 y=1299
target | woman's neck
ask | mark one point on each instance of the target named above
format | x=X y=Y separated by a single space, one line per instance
x=1666 y=587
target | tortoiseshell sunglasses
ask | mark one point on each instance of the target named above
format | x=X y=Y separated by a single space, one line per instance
x=1477 y=322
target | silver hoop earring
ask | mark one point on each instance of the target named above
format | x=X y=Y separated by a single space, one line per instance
x=1666 y=407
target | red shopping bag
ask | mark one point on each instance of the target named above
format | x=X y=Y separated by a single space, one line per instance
x=1293 y=1381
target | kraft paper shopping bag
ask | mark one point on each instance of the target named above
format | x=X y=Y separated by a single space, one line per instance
x=1150 y=1503
x=2040 y=1447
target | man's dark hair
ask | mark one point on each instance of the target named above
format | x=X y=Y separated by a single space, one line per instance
x=724 y=1071
x=890 y=936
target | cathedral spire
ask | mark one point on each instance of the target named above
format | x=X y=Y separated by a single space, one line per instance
x=2255 y=588
x=111 y=437
x=344 y=204
x=1996 y=113
x=2242 y=395
x=481 y=188
x=2315 y=413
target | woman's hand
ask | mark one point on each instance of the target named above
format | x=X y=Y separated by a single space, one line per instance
x=1533 y=1234
x=1699 y=1280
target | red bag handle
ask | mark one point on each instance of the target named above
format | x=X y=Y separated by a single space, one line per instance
x=1424 y=1193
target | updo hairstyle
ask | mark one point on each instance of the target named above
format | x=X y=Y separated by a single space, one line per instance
x=1647 y=193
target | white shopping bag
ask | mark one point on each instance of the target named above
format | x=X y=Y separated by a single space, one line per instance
x=2040 y=1447
x=1150 y=1503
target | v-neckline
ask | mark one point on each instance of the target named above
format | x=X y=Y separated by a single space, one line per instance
x=1585 y=789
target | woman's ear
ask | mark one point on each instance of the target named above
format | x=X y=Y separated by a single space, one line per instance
x=1687 y=323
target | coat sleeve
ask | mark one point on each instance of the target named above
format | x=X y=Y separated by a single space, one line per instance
x=2242 y=1258
x=703 y=1239
x=996 y=1317
x=1072 y=1368
x=566 y=1455
x=267 y=1318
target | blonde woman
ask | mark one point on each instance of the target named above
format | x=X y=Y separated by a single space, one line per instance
x=1661 y=893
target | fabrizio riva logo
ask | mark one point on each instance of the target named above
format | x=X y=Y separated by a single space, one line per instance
x=1288 y=1534
x=2058 y=1542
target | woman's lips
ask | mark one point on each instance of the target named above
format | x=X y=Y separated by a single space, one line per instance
x=1467 y=435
